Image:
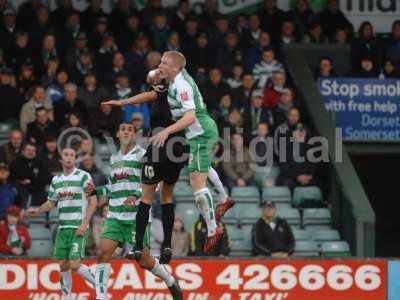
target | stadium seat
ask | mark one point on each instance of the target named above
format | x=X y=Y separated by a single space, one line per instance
x=53 y=216
x=246 y=194
x=215 y=194
x=234 y=232
x=265 y=173
x=306 y=248
x=41 y=218
x=41 y=248
x=323 y=235
x=335 y=249
x=241 y=247
x=316 y=216
x=248 y=212
x=188 y=212
x=5 y=129
x=310 y=196
x=291 y=215
x=183 y=193
x=246 y=229
x=302 y=235
x=40 y=233
x=184 y=176
x=278 y=194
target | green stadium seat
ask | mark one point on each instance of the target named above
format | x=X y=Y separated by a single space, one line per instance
x=231 y=216
x=335 y=249
x=265 y=173
x=306 y=248
x=188 y=212
x=234 y=232
x=322 y=235
x=41 y=218
x=248 y=212
x=40 y=233
x=183 y=193
x=41 y=248
x=291 y=215
x=316 y=216
x=184 y=176
x=246 y=194
x=246 y=229
x=302 y=235
x=309 y=196
x=278 y=194
x=241 y=247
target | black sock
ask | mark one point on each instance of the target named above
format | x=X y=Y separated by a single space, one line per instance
x=167 y=217
x=142 y=219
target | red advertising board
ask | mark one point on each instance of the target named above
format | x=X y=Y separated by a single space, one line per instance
x=209 y=279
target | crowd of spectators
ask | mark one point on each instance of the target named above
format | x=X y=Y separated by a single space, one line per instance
x=56 y=67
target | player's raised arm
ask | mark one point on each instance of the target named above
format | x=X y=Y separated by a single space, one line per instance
x=137 y=99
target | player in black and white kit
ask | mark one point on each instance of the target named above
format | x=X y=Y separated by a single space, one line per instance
x=163 y=166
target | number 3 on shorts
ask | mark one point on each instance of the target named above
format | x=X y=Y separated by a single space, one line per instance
x=75 y=247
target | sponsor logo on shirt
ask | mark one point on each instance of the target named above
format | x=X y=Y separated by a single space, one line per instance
x=184 y=96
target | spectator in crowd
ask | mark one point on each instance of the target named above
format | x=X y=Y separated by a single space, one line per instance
x=40 y=26
x=315 y=35
x=200 y=59
x=60 y=15
x=83 y=65
x=136 y=59
x=280 y=111
x=366 y=44
x=8 y=193
x=393 y=44
x=331 y=18
x=213 y=89
x=180 y=239
x=254 y=53
x=234 y=121
x=218 y=34
x=26 y=79
x=10 y=150
x=118 y=65
x=151 y=10
x=341 y=36
x=273 y=91
x=254 y=114
x=119 y=14
x=51 y=72
x=366 y=69
x=241 y=96
x=209 y=13
x=229 y=54
x=96 y=34
x=14 y=236
x=28 y=111
x=199 y=236
x=389 y=69
x=11 y=101
x=50 y=156
x=225 y=106
x=8 y=29
x=251 y=37
x=86 y=147
x=74 y=53
x=69 y=104
x=180 y=16
x=30 y=176
x=88 y=165
x=138 y=123
x=272 y=235
x=26 y=16
x=41 y=127
x=260 y=141
x=91 y=14
x=239 y=169
x=67 y=34
x=242 y=23
x=189 y=34
x=47 y=52
x=302 y=15
x=126 y=37
x=325 y=68
x=173 y=42
x=92 y=94
x=160 y=31
x=235 y=80
x=55 y=90
x=263 y=70
x=271 y=18
x=105 y=54
x=295 y=172
x=287 y=35
x=20 y=52
x=105 y=121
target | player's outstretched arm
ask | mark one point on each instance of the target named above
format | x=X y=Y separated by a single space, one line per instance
x=45 y=207
x=137 y=99
x=90 y=210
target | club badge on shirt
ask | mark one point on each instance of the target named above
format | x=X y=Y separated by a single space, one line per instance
x=184 y=96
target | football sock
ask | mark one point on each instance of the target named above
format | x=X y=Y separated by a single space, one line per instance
x=204 y=202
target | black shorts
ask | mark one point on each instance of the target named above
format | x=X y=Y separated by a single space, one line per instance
x=158 y=166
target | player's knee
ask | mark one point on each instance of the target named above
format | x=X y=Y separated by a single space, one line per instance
x=74 y=265
x=145 y=263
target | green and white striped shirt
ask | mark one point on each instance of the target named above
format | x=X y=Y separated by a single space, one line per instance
x=123 y=182
x=69 y=193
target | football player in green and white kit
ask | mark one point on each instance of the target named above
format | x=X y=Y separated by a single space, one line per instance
x=123 y=192
x=68 y=190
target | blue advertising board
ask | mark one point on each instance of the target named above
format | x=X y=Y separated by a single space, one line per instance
x=394 y=280
x=365 y=109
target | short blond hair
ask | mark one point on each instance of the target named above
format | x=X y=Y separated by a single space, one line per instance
x=178 y=58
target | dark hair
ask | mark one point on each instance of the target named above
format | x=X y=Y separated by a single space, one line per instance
x=28 y=144
x=268 y=49
x=326 y=58
x=362 y=28
x=39 y=109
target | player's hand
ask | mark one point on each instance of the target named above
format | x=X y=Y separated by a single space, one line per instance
x=16 y=251
x=81 y=229
x=90 y=188
x=112 y=102
x=130 y=201
x=159 y=139
x=32 y=211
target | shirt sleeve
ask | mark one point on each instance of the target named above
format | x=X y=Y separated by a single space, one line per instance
x=51 y=195
x=185 y=96
x=86 y=179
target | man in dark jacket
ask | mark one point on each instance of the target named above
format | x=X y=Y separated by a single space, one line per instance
x=41 y=127
x=271 y=235
x=10 y=100
x=199 y=238
x=9 y=151
x=30 y=176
